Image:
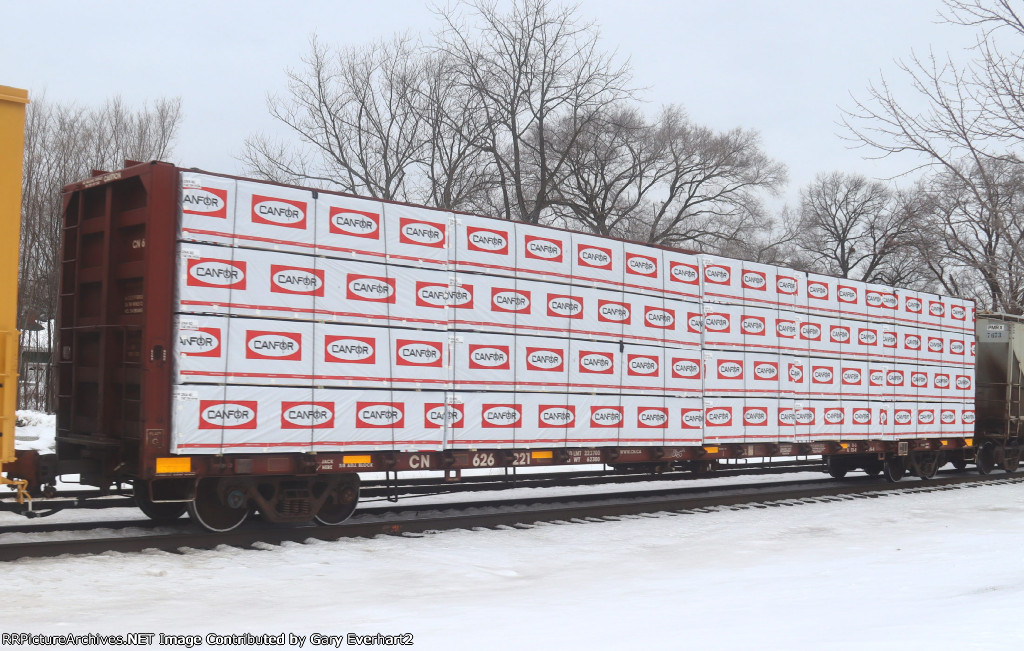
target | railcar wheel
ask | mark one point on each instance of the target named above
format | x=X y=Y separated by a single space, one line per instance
x=836 y=468
x=985 y=458
x=218 y=506
x=925 y=464
x=339 y=506
x=873 y=468
x=157 y=511
x=894 y=468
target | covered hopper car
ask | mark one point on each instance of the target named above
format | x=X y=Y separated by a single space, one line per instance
x=228 y=344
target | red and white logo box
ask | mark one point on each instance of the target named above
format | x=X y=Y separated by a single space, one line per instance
x=735 y=282
x=419 y=237
x=484 y=361
x=219 y=419
x=206 y=206
x=213 y=349
x=596 y=261
x=739 y=327
x=275 y=218
x=350 y=228
x=485 y=246
x=741 y=420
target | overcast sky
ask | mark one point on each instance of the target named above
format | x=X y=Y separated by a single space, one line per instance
x=782 y=68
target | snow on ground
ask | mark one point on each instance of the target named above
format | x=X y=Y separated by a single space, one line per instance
x=923 y=571
x=35 y=430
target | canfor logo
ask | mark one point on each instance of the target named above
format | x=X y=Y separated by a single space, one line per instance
x=902 y=417
x=918 y=379
x=219 y=274
x=786 y=285
x=422 y=233
x=227 y=414
x=755 y=416
x=948 y=416
x=889 y=301
x=282 y=346
x=862 y=416
x=754 y=280
x=694 y=323
x=795 y=372
x=912 y=304
x=717 y=274
x=199 y=342
x=787 y=417
x=810 y=331
x=956 y=347
x=354 y=223
x=643 y=365
x=437 y=415
x=296 y=280
x=867 y=336
x=605 y=416
x=718 y=416
x=822 y=375
x=873 y=298
x=692 y=418
x=786 y=328
x=656 y=317
x=926 y=416
x=307 y=415
x=766 y=371
x=834 y=415
x=806 y=416
x=595 y=257
x=378 y=415
x=641 y=265
x=565 y=306
x=350 y=350
x=730 y=369
x=941 y=381
x=717 y=322
x=958 y=312
x=612 y=312
x=542 y=248
x=846 y=294
x=510 y=300
x=545 y=359
x=409 y=352
x=685 y=369
x=207 y=202
x=852 y=376
x=652 y=417
x=508 y=415
x=753 y=326
x=911 y=342
x=817 y=290
x=894 y=378
x=967 y=417
x=963 y=382
x=597 y=362
x=935 y=344
x=936 y=308
x=888 y=339
x=443 y=295
x=839 y=334
x=273 y=211
x=876 y=377
x=489 y=357
x=487 y=240
x=556 y=416
x=682 y=272
x=373 y=289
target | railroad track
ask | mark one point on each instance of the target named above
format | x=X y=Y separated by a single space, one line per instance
x=512 y=513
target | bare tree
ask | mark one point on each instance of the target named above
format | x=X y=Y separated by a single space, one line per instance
x=710 y=194
x=851 y=227
x=355 y=112
x=535 y=68
x=64 y=142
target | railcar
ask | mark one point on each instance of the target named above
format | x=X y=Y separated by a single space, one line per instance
x=228 y=344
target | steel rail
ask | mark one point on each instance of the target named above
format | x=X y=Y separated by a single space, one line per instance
x=568 y=508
